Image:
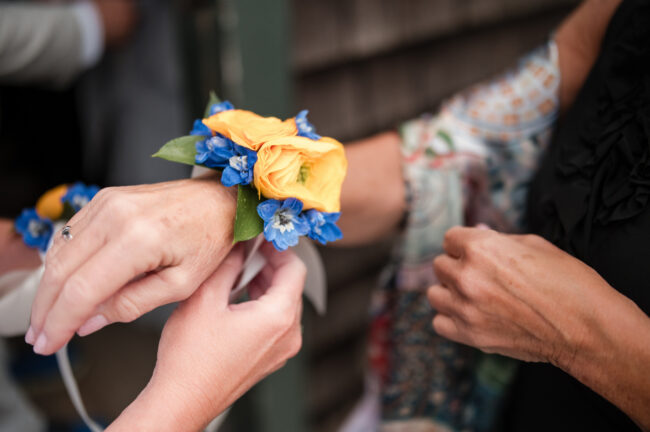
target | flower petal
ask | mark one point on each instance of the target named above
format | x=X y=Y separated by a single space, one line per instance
x=267 y=209
x=230 y=177
x=294 y=205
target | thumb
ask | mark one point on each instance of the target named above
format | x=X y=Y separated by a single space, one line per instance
x=220 y=283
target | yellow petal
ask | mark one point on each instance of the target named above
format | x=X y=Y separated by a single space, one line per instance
x=249 y=129
x=49 y=205
x=298 y=167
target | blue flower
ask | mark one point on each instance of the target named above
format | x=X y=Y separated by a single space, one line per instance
x=240 y=167
x=214 y=152
x=323 y=226
x=36 y=231
x=283 y=223
x=306 y=129
x=78 y=195
x=221 y=106
x=200 y=129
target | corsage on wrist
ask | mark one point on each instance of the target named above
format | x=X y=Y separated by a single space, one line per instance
x=288 y=177
x=36 y=225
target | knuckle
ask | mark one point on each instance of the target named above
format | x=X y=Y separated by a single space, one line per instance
x=471 y=316
x=464 y=281
x=295 y=343
x=143 y=233
x=101 y=195
x=451 y=233
x=54 y=270
x=119 y=206
x=280 y=320
x=126 y=308
x=438 y=264
x=474 y=248
x=76 y=291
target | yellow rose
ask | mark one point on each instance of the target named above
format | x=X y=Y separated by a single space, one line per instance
x=298 y=167
x=249 y=129
x=49 y=205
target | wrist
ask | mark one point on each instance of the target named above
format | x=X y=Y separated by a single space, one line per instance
x=160 y=408
x=602 y=327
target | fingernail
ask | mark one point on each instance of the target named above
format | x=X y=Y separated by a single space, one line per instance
x=92 y=325
x=482 y=226
x=41 y=344
x=30 y=336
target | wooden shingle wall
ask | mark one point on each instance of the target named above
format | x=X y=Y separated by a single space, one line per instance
x=363 y=66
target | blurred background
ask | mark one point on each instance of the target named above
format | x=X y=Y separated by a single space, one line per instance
x=359 y=66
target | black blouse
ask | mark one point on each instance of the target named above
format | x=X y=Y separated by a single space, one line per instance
x=590 y=198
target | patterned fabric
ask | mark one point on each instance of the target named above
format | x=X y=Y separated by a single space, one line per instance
x=470 y=164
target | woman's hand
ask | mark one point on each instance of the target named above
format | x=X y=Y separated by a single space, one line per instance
x=515 y=295
x=523 y=297
x=211 y=352
x=133 y=249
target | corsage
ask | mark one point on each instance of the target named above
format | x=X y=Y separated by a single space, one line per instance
x=288 y=177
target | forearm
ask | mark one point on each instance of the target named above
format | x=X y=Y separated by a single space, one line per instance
x=613 y=357
x=578 y=40
x=159 y=409
x=373 y=195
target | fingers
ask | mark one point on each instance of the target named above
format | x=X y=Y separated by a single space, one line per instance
x=216 y=289
x=457 y=238
x=288 y=279
x=62 y=260
x=443 y=300
x=90 y=285
x=447 y=270
x=137 y=298
x=257 y=287
x=448 y=328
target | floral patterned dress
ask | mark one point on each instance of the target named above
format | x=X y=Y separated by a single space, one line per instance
x=469 y=164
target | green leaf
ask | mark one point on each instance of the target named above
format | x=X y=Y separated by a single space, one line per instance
x=182 y=150
x=248 y=224
x=213 y=99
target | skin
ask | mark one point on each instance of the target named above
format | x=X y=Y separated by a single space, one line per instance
x=532 y=310
x=604 y=347
x=136 y=229
x=119 y=19
x=523 y=297
x=211 y=352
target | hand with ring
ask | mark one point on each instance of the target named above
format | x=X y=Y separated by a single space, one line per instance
x=130 y=250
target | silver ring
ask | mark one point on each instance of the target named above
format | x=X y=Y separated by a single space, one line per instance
x=66 y=234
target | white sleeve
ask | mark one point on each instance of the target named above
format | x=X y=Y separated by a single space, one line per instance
x=92 y=32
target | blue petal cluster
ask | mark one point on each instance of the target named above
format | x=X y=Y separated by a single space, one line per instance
x=283 y=222
x=221 y=106
x=200 y=129
x=240 y=167
x=35 y=230
x=323 y=227
x=214 y=152
x=78 y=195
x=306 y=129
